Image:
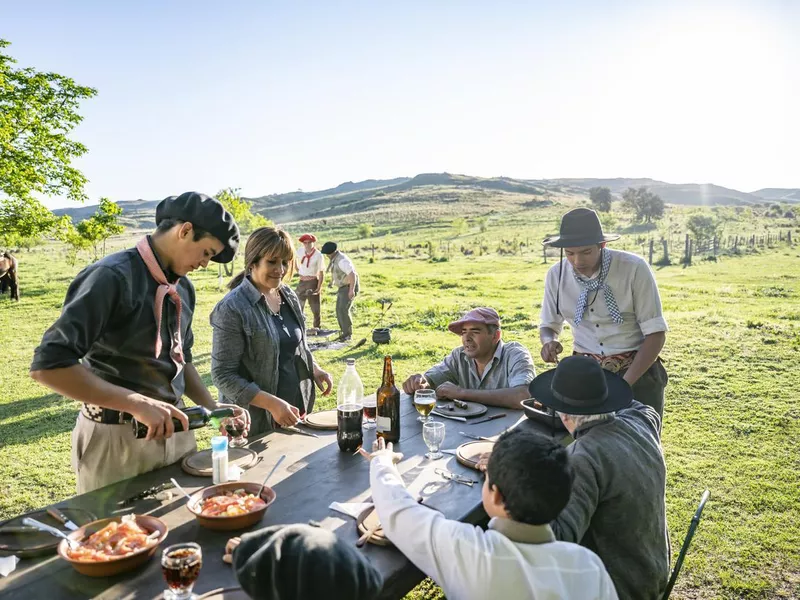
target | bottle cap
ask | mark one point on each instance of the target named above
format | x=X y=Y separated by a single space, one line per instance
x=351 y=362
x=219 y=443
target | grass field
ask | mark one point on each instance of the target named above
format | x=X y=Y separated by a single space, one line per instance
x=732 y=417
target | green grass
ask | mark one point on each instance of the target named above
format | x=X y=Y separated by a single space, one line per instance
x=732 y=417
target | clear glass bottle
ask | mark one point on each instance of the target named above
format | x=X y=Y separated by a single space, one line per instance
x=350 y=390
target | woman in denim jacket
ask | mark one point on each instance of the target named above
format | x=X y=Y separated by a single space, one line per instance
x=259 y=358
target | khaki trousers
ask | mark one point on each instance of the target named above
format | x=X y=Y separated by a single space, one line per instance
x=304 y=292
x=103 y=454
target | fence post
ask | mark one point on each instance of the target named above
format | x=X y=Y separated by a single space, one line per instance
x=686 y=257
x=715 y=242
x=789 y=237
x=651 y=251
x=690 y=251
x=544 y=254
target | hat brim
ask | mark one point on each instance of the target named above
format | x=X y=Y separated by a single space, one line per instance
x=225 y=256
x=456 y=326
x=619 y=396
x=570 y=241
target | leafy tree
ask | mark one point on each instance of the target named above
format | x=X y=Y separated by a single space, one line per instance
x=460 y=225
x=38 y=111
x=483 y=224
x=98 y=228
x=646 y=206
x=364 y=230
x=24 y=221
x=703 y=227
x=601 y=198
x=241 y=210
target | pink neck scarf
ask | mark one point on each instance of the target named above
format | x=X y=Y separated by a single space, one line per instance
x=165 y=288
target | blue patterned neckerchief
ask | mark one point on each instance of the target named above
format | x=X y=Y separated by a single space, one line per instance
x=596 y=284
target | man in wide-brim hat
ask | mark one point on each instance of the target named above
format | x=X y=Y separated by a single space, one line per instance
x=617 y=508
x=611 y=301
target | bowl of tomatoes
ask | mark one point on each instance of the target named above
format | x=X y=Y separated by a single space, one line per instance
x=230 y=506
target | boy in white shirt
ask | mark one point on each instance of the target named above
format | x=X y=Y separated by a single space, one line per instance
x=311 y=269
x=527 y=485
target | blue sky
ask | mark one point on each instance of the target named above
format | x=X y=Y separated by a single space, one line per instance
x=276 y=96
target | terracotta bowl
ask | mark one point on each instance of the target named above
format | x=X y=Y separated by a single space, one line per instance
x=230 y=523
x=120 y=564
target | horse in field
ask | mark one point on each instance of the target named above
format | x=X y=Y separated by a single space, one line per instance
x=8 y=275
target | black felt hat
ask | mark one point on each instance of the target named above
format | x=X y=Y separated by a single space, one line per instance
x=580 y=386
x=301 y=562
x=580 y=227
x=328 y=248
x=206 y=213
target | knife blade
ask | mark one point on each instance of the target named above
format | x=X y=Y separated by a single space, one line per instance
x=476 y=437
x=444 y=416
x=486 y=419
x=61 y=518
x=294 y=429
x=18 y=529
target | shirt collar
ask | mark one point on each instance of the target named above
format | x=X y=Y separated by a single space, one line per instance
x=585 y=428
x=522 y=533
x=250 y=291
x=171 y=276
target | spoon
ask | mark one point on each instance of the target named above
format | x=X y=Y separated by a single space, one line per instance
x=261 y=489
x=51 y=530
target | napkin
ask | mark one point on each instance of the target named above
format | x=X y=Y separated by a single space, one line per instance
x=7 y=565
x=351 y=509
x=234 y=472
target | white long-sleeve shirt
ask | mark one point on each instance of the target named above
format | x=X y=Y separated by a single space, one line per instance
x=635 y=291
x=511 y=560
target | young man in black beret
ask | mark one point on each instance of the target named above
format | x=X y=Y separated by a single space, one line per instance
x=528 y=483
x=345 y=279
x=123 y=343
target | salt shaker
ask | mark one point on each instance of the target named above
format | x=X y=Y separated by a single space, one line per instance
x=219 y=459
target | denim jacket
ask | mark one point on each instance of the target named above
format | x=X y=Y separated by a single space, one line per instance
x=245 y=351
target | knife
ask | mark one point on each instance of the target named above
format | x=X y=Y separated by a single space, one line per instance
x=444 y=416
x=476 y=437
x=485 y=419
x=61 y=518
x=448 y=451
x=294 y=429
x=18 y=529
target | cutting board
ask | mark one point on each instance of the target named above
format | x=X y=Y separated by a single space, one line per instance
x=199 y=463
x=324 y=419
x=366 y=520
x=37 y=543
x=468 y=454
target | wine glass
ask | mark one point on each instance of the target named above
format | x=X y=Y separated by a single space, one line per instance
x=234 y=427
x=181 y=564
x=433 y=435
x=424 y=402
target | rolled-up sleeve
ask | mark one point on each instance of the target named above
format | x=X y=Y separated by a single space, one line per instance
x=447 y=370
x=647 y=301
x=549 y=317
x=227 y=348
x=520 y=365
x=92 y=298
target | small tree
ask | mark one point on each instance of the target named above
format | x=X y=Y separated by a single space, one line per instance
x=460 y=225
x=24 y=221
x=364 y=230
x=483 y=224
x=241 y=210
x=645 y=205
x=703 y=227
x=601 y=198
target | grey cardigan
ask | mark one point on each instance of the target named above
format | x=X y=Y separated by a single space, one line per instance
x=617 y=507
x=245 y=350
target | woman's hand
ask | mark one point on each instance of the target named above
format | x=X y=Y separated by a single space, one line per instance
x=283 y=413
x=323 y=380
x=238 y=413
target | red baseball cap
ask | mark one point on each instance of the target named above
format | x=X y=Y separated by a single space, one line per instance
x=482 y=314
x=308 y=237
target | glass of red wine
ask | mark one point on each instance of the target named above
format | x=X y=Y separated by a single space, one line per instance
x=181 y=564
x=234 y=427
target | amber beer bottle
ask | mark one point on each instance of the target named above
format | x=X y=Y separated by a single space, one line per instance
x=388 y=405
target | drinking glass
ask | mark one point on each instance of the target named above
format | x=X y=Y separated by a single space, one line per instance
x=370 y=411
x=424 y=402
x=433 y=434
x=181 y=564
x=234 y=427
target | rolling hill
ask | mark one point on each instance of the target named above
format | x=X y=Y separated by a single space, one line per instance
x=779 y=194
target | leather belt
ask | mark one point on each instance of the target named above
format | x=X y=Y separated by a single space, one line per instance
x=108 y=416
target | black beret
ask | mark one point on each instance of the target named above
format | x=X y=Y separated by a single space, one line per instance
x=300 y=562
x=206 y=213
x=328 y=248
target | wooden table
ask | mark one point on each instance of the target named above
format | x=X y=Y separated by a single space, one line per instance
x=314 y=474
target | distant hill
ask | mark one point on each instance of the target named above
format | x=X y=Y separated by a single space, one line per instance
x=444 y=194
x=779 y=194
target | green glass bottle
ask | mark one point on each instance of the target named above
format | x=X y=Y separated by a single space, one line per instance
x=198 y=417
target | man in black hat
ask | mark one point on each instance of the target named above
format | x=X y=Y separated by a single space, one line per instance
x=345 y=280
x=301 y=562
x=618 y=503
x=611 y=301
x=123 y=343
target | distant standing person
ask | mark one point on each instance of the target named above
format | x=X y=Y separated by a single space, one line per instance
x=311 y=268
x=8 y=275
x=611 y=301
x=345 y=280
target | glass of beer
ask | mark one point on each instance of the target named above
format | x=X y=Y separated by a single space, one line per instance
x=424 y=402
x=370 y=411
x=349 y=419
x=181 y=564
x=433 y=435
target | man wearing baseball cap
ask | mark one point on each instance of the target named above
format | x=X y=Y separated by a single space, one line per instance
x=346 y=281
x=484 y=368
x=618 y=504
x=311 y=269
x=610 y=300
x=123 y=343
